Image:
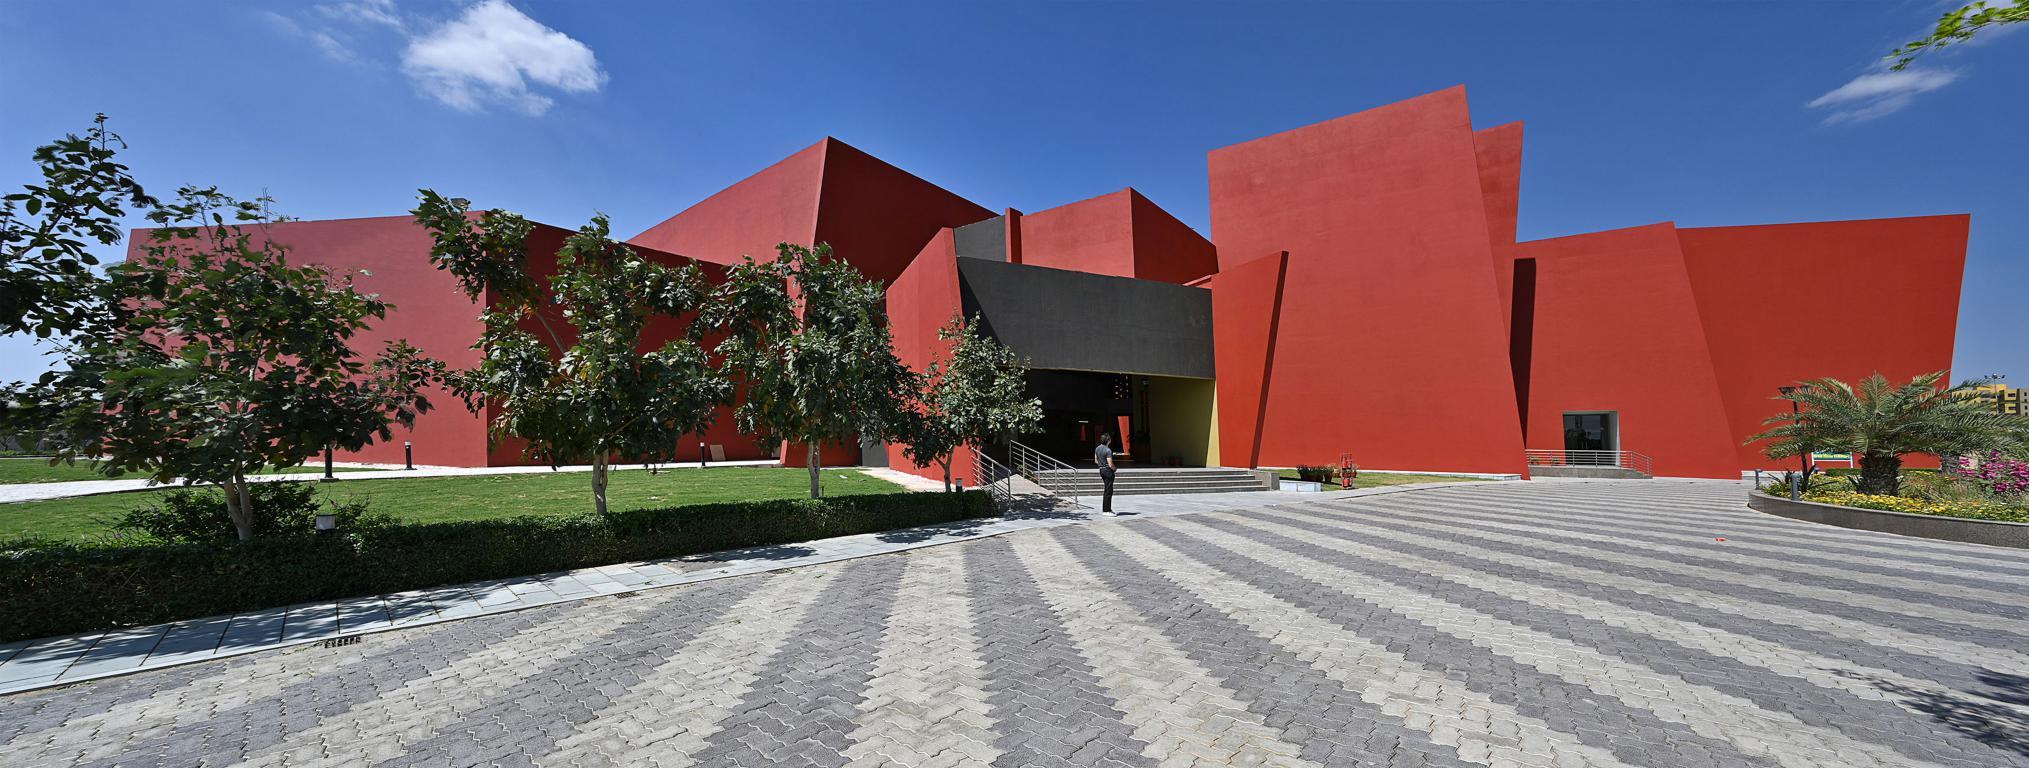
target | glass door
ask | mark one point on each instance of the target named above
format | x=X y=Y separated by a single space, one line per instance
x=1586 y=433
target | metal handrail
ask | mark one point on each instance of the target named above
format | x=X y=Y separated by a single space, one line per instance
x=1543 y=457
x=1043 y=470
x=998 y=479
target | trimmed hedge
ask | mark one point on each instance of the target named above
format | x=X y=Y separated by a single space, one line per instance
x=63 y=589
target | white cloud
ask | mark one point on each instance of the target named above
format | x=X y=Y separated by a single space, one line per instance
x=326 y=42
x=1880 y=92
x=380 y=12
x=493 y=54
x=490 y=54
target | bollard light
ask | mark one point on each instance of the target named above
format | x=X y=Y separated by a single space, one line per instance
x=408 y=455
x=326 y=522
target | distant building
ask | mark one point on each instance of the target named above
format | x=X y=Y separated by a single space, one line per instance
x=1363 y=292
x=2005 y=399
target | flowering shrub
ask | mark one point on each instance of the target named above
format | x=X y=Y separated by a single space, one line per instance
x=2000 y=474
x=1977 y=510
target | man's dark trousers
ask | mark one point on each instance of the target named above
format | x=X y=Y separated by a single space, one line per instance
x=1106 y=477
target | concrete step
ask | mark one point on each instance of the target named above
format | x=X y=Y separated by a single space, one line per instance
x=1593 y=472
x=1151 y=473
x=1155 y=480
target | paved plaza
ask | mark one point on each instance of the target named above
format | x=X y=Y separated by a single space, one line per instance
x=1505 y=624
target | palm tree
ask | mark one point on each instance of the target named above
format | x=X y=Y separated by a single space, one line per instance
x=1879 y=423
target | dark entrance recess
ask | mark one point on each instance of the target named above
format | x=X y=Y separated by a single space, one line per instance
x=1590 y=432
x=1521 y=333
x=1079 y=405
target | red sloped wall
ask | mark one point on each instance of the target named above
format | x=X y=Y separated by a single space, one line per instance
x=776 y=205
x=921 y=300
x=1165 y=248
x=1391 y=341
x=543 y=243
x=1120 y=233
x=389 y=255
x=1498 y=151
x=1846 y=299
x=877 y=216
x=873 y=215
x=1094 y=235
x=1246 y=303
x=1616 y=329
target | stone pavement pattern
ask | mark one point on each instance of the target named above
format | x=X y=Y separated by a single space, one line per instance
x=1558 y=625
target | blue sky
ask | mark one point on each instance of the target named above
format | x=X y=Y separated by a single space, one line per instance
x=1702 y=113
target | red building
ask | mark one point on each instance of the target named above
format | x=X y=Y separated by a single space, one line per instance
x=1363 y=292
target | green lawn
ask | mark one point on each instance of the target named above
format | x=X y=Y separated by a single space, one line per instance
x=39 y=471
x=1378 y=479
x=436 y=499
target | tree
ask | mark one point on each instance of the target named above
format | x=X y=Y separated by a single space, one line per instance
x=592 y=394
x=1960 y=26
x=976 y=394
x=806 y=336
x=46 y=279
x=1880 y=423
x=211 y=356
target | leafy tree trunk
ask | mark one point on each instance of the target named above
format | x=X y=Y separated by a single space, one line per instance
x=239 y=505
x=599 y=483
x=815 y=472
x=947 y=474
x=1880 y=473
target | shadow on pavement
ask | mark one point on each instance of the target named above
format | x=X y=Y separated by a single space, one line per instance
x=777 y=552
x=1994 y=716
x=1036 y=507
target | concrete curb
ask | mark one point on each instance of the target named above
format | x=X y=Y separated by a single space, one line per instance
x=1996 y=533
x=61 y=661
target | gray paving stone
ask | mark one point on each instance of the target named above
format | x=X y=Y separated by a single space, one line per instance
x=1022 y=689
x=1867 y=720
x=1042 y=692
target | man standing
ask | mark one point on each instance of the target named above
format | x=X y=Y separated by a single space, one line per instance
x=1103 y=456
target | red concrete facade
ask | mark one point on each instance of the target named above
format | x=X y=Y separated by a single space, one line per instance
x=873 y=214
x=1616 y=330
x=920 y=301
x=1246 y=308
x=1498 y=152
x=389 y=256
x=1122 y=234
x=1845 y=299
x=1392 y=344
x=1367 y=295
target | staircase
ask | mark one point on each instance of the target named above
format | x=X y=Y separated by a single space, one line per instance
x=1603 y=465
x=1085 y=482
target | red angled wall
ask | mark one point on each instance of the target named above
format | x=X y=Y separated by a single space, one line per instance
x=776 y=205
x=920 y=301
x=1498 y=151
x=1094 y=235
x=878 y=216
x=1846 y=299
x=1392 y=344
x=873 y=215
x=389 y=255
x=1246 y=306
x=1167 y=249
x=1616 y=328
x=1121 y=233
x=543 y=243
